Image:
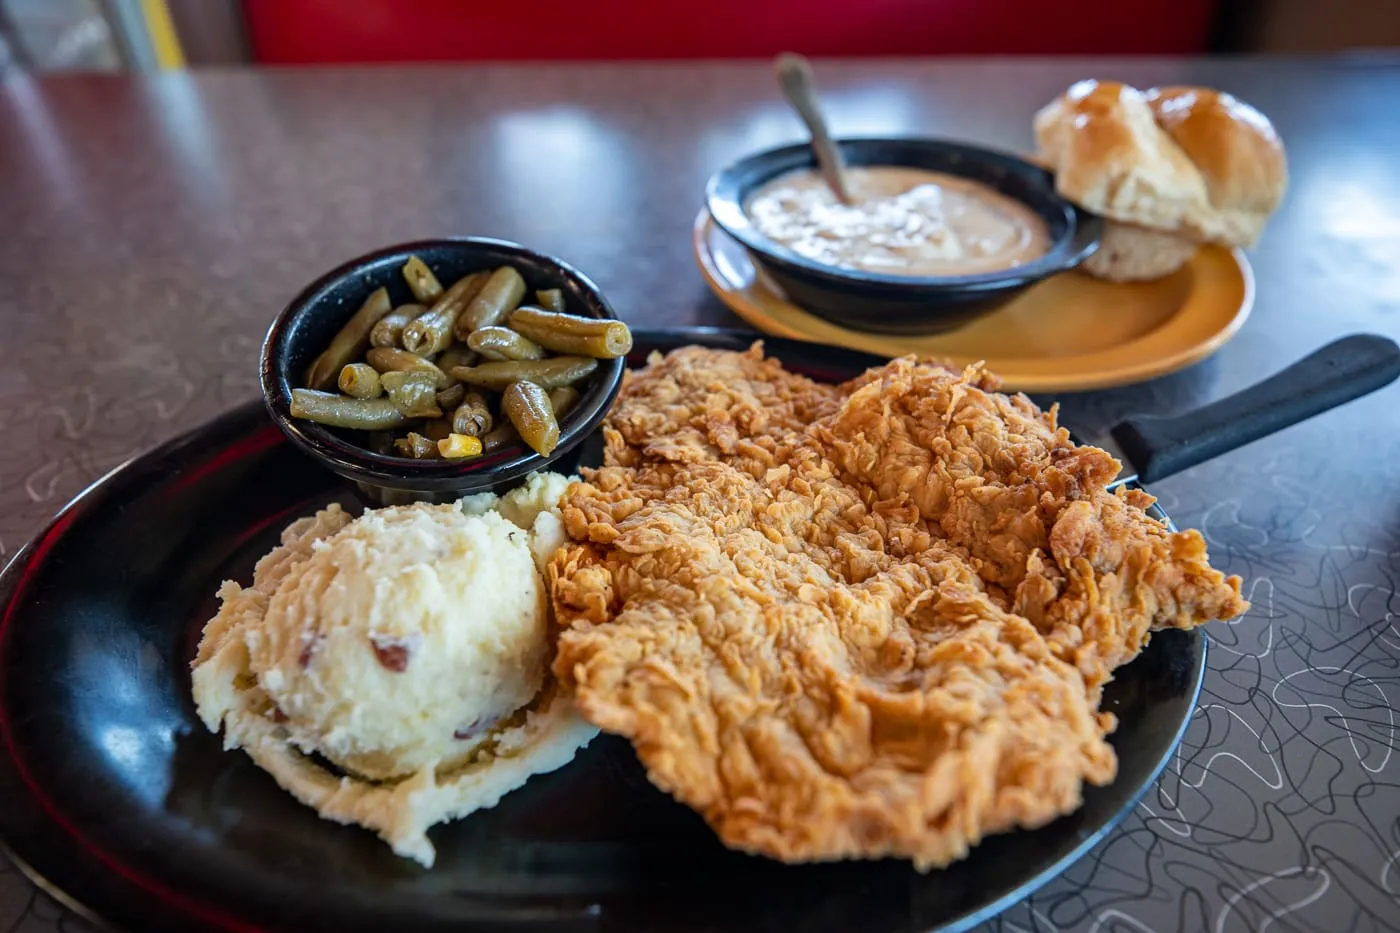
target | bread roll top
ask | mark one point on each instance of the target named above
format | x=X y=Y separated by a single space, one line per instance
x=1236 y=150
x=1189 y=161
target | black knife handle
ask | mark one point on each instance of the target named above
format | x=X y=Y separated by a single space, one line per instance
x=1339 y=372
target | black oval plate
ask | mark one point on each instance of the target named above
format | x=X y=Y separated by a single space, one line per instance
x=113 y=795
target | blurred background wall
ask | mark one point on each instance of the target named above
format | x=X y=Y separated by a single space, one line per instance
x=108 y=35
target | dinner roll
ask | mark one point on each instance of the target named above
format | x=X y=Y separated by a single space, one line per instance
x=1129 y=253
x=1109 y=156
x=1237 y=152
x=1169 y=168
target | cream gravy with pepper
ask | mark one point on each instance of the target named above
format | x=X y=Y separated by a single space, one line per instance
x=905 y=221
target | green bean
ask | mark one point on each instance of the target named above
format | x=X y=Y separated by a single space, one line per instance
x=502 y=343
x=549 y=374
x=329 y=408
x=416 y=446
x=450 y=397
x=569 y=333
x=497 y=298
x=360 y=380
x=421 y=281
x=390 y=327
x=527 y=407
x=562 y=400
x=349 y=342
x=551 y=299
x=500 y=436
x=392 y=359
x=431 y=331
x=412 y=394
x=459 y=354
x=435 y=429
x=473 y=416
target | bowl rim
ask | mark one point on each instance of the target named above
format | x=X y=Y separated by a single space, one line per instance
x=361 y=464
x=725 y=196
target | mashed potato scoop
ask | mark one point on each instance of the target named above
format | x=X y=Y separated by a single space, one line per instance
x=408 y=649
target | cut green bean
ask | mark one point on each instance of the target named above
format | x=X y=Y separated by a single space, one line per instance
x=390 y=327
x=502 y=435
x=563 y=400
x=502 y=343
x=450 y=397
x=412 y=394
x=571 y=334
x=337 y=411
x=349 y=342
x=473 y=416
x=549 y=374
x=467 y=367
x=416 y=446
x=527 y=406
x=459 y=354
x=431 y=332
x=421 y=281
x=551 y=299
x=435 y=429
x=497 y=298
x=360 y=380
x=392 y=359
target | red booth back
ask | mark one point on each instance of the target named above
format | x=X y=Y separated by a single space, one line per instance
x=331 y=31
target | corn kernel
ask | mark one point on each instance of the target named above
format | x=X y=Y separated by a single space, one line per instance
x=456 y=446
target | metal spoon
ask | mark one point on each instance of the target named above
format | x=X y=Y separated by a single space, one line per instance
x=800 y=88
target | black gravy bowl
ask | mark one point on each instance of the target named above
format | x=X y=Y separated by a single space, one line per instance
x=305 y=327
x=896 y=304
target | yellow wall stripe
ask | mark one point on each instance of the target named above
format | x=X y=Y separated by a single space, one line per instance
x=164 y=40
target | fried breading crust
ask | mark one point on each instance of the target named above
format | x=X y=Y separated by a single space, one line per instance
x=864 y=620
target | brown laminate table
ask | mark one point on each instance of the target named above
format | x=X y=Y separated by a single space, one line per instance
x=151 y=227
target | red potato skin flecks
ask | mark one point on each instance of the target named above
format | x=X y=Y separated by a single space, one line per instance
x=864 y=620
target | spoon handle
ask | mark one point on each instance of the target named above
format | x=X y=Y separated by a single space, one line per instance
x=800 y=87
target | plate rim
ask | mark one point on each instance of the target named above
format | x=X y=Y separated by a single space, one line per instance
x=1080 y=378
x=12 y=574
x=182 y=910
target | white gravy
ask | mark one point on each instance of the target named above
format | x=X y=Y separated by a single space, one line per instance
x=905 y=221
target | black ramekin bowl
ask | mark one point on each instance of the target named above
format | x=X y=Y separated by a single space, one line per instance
x=307 y=324
x=896 y=304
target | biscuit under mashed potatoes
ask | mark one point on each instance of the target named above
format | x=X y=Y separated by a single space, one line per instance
x=408 y=647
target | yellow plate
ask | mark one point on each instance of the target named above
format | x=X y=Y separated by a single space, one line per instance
x=1068 y=333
